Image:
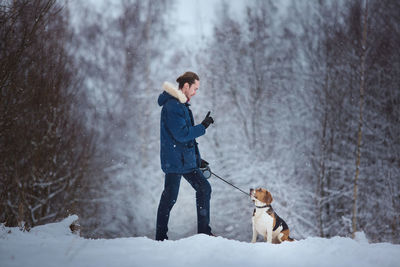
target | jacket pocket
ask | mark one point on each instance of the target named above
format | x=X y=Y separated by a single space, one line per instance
x=189 y=158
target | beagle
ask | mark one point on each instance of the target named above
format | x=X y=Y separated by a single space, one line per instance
x=265 y=220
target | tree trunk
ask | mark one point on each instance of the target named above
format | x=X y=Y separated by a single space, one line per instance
x=360 y=123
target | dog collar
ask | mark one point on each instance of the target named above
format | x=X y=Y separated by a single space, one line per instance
x=262 y=207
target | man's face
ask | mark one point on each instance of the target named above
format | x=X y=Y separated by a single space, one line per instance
x=190 y=91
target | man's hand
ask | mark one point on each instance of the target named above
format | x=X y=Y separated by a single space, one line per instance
x=203 y=163
x=207 y=120
x=204 y=167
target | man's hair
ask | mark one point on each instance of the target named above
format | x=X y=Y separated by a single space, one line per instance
x=188 y=77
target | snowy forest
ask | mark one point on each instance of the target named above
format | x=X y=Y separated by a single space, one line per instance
x=305 y=96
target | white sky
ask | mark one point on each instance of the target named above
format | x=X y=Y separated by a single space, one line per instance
x=194 y=18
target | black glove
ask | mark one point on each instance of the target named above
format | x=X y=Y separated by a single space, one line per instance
x=207 y=120
x=203 y=163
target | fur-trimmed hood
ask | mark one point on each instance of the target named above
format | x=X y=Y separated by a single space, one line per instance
x=171 y=91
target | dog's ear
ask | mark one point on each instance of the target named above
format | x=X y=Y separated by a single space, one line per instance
x=268 y=198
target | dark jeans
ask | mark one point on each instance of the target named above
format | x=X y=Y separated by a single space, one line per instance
x=170 y=194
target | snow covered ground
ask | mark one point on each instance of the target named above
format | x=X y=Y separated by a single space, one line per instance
x=54 y=245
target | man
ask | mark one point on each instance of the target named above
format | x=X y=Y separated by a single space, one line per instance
x=180 y=154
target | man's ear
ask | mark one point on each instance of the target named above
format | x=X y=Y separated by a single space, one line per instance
x=186 y=86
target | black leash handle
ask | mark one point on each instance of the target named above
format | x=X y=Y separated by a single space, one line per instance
x=248 y=194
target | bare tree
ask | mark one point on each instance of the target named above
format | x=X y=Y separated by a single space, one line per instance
x=360 y=124
x=379 y=169
x=119 y=56
x=258 y=101
x=44 y=146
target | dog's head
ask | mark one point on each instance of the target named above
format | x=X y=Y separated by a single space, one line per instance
x=262 y=195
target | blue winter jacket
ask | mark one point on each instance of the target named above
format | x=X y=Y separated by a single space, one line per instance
x=179 y=152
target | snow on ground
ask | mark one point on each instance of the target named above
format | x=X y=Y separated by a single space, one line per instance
x=54 y=245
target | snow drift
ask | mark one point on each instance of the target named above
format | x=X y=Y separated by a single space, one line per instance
x=55 y=245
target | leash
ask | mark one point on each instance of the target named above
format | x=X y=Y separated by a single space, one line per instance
x=247 y=194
